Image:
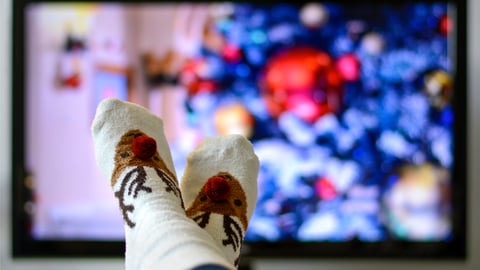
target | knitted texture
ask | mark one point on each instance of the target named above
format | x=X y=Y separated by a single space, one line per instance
x=219 y=189
x=131 y=151
x=144 y=147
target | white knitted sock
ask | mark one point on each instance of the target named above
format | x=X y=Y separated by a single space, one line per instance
x=219 y=189
x=132 y=152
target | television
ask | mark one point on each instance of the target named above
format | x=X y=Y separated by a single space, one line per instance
x=356 y=110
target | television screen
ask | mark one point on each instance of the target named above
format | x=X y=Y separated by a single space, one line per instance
x=356 y=111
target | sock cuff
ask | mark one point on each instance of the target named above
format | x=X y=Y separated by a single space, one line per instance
x=176 y=244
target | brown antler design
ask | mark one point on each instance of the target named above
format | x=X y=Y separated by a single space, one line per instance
x=135 y=186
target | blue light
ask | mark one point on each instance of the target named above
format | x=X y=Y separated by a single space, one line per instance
x=447 y=116
x=254 y=55
x=242 y=70
x=258 y=36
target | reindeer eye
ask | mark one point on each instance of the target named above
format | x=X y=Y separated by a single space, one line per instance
x=203 y=198
x=124 y=154
x=237 y=202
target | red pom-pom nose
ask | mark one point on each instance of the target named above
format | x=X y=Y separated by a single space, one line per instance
x=144 y=146
x=217 y=188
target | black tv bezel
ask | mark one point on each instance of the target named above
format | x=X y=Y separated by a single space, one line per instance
x=24 y=246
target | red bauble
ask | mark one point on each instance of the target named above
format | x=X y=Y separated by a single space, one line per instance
x=231 y=53
x=304 y=81
x=73 y=81
x=349 y=67
x=144 y=146
x=201 y=86
x=217 y=188
x=193 y=76
x=325 y=189
x=445 y=25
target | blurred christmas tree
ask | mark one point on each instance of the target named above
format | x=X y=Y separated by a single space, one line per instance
x=346 y=94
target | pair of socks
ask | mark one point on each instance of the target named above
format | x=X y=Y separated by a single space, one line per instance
x=170 y=226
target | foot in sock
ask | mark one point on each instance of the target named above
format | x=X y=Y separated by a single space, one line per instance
x=132 y=152
x=219 y=189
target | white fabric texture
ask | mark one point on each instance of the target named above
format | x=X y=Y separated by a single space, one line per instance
x=115 y=117
x=163 y=236
x=233 y=154
x=159 y=235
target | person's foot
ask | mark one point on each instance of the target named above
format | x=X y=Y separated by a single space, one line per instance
x=132 y=152
x=219 y=189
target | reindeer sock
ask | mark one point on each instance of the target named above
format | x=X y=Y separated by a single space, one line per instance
x=131 y=151
x=219 y=189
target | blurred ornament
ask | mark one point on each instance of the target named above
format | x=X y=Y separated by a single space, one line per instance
x=325 y=189
x=69 y=73
x=355 y=29
x=72 y=81
x=445 y=25
x=234 y=119
x=70 y=67
x=195 y=77
x=302 y=80
x=417 y=204
x=255 y=55
x=373 y=43
x=349 y=67
x=202 y=86
x=231 y=53
x=314 y=15
x=438 y=87
x=258 y=37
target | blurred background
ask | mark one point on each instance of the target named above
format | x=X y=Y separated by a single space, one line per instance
x=72 y=73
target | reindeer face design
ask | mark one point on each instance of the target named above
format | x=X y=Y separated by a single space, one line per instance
x=223 y=200
x=136 y=156
x=222 y=194
x=125 y=156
